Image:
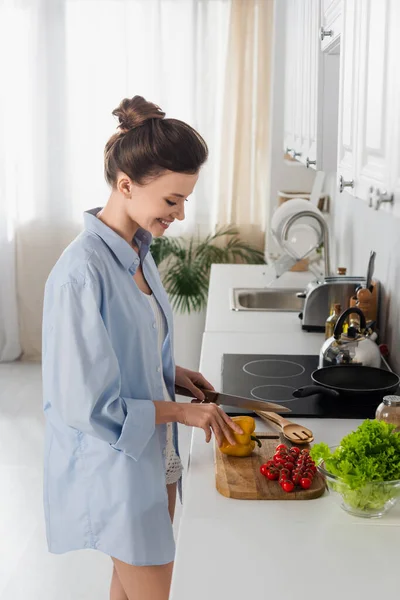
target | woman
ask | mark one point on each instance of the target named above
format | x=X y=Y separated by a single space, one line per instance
x=111 y=455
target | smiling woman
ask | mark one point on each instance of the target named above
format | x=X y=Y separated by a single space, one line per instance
x=108 y=365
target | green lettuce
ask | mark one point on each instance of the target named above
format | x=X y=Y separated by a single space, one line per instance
x=364 y=457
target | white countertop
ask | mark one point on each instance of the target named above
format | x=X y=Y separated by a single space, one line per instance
x=293 y=550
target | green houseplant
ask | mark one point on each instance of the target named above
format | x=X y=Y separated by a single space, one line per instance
x=185 y=264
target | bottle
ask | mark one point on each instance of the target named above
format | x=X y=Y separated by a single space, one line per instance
x=389 y=411
x=332 y=320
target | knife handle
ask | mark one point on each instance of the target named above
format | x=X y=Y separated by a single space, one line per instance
x=182 y=391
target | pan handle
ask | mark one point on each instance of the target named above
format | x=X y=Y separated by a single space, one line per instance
x=337 y=332
x=310 y=390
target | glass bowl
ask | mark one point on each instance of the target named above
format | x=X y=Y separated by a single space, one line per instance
x=372 y=500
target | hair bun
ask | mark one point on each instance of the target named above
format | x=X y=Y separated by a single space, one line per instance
x=133 y=112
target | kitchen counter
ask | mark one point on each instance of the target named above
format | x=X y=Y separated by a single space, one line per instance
x=300 y=550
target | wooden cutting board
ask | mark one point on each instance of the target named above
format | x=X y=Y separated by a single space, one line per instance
x=241 y=478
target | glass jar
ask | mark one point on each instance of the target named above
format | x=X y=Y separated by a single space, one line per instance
x=389 y=411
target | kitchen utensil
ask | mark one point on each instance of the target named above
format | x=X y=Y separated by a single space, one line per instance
x=354 y=347
x=360 y=384
x=320 y=295
x=240 y=477
x=230 y=400
x=370 y=270
x=297 y=434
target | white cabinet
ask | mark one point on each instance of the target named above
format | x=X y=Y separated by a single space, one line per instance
x=331 y=24
x=303 y=77
x=348 y=94
x=369 y=139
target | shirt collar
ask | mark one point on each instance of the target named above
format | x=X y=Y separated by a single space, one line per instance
x=127 y=256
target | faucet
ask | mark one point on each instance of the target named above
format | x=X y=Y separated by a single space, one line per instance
x=325 y=235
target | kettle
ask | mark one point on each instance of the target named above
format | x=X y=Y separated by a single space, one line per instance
x=353 y=348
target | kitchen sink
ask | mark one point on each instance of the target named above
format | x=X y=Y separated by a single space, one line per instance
x=267 y=299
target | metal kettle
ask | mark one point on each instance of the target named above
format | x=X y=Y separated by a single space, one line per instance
x=353 y=348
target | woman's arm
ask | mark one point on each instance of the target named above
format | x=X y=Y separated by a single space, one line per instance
x=207 y=416
x=81 y=375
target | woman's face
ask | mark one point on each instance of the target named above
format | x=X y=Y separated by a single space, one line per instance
x=155 y=205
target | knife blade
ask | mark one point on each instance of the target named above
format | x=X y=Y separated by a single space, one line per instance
x=230 y=400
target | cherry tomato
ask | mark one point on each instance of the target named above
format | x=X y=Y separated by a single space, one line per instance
x=270 y=463
x=305 y=483
x=281 y=447
x=309 y=474
x=295 y=450
x=289 y=465
x=297 y=478
x=273 y=475
x=279 y=460
x=283 y=477
x=305 y=451
x=263 y=470
x=288 y=486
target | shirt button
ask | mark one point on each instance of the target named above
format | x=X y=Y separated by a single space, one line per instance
x=154 y=325
x=158 y=369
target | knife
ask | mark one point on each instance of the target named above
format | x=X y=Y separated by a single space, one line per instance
x=230 y=400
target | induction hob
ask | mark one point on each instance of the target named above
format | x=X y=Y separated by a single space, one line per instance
x=274 y=378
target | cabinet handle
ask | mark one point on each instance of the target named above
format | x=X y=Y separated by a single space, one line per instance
x=381 y=197
x=295 y=154
x=343 y=184
x=310 y=162
x=288 y=150
x=323 y=33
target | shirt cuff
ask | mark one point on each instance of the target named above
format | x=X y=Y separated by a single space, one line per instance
x=138 y=427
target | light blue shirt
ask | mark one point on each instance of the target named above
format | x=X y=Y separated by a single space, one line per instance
x=104 y=480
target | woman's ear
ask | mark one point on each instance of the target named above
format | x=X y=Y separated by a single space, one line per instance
x=124 y=185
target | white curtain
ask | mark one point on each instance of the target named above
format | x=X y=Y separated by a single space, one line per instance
x=66 y=64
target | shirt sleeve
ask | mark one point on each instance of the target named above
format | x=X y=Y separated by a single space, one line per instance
x=81 y=376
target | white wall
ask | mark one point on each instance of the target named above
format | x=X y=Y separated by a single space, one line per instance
x=357 y=230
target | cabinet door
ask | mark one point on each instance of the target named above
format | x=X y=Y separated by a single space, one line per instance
x=290 y=81
x=375 y=98
x=348 y=92
x=331 y=23
x=299 y=69
x=303 y=77
x=315 y=91
x=394 y=70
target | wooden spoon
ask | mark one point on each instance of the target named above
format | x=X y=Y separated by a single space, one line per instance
x=292 y=431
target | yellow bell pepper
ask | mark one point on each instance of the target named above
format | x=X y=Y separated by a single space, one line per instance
x=245 y=443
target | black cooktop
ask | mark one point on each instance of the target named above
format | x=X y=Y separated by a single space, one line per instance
x=274 y=378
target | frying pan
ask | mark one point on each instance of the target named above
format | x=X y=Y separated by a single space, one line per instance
x=358 y=382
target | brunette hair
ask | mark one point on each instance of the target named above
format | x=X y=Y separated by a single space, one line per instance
x=148 y=144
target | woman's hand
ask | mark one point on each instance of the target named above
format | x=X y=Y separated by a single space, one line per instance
x=211 y=418
x=192 y=381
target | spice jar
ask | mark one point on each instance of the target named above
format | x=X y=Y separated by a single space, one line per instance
x=389 y=411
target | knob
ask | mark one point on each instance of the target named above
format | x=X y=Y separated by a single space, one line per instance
x=323 y=33
x=310 y=162
x=381 y=197
x=295 y=154
x=300 y=294
x=343 y=184
x=288 y=150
